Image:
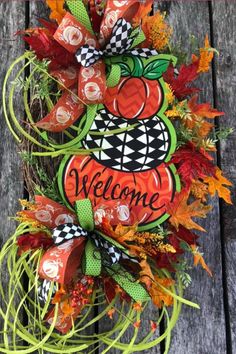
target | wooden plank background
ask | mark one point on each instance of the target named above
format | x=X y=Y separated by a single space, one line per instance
x=211 y=330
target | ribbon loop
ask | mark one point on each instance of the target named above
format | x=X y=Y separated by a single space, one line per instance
x=84 y=211
x=121 y=41
x=66 y=232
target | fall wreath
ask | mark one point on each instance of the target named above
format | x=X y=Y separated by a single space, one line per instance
x=118 y=164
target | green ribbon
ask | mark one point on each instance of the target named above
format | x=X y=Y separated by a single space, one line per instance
x=84 y=212
x=91 y=263
x=114 y=76
x=92 y=259
x=79 y=11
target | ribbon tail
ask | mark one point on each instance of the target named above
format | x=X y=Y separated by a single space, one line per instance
x=92 y=262
x=65 y=113
x=46 y=290
x=128 y=283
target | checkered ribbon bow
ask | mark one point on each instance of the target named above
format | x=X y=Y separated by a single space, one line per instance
x=109 y=252
x=121 y=42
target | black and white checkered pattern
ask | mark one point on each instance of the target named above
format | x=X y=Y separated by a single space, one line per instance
x=88 y=55
x=143 y=52
x=120 y=40
x=140 y=149
x=110 y=253
x=67 y=232
x=43 y=290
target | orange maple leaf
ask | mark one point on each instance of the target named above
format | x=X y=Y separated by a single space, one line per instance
x=57 y=10
x=216 y=184
x=198 y=258
x=144 y=10
x=182 y=213
x=158 y=294
x=203 y=110
x=146 y=275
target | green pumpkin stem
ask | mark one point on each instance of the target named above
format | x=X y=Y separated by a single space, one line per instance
x=138 y=67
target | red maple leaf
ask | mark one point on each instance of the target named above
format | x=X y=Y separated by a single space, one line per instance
x=50 y=25
x=46 y=47
x=180 y=83
x=186 y=235
x=166 y=260
x=109 y=289
x=192 y=164
x=203 y=109
x=34 y=241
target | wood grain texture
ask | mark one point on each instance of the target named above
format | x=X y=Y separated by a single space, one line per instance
x=224 y=35
x=11 y=182
x=197 y=332
x=200 y=331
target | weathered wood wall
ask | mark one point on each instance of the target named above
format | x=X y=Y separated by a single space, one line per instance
x=211 y=330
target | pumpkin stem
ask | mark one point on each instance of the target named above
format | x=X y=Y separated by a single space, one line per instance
x=138 y=67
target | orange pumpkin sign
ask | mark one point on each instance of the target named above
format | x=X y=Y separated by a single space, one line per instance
x=134 y=97
x=146 y=193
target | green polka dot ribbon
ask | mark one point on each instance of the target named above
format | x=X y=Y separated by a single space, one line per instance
x=84 y=212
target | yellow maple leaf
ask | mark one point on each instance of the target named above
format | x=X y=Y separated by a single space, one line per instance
x=216 y=184
x=158 y=294
x=57 y=10
x=125 y=233
x=198 y=258
x=182 y=213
